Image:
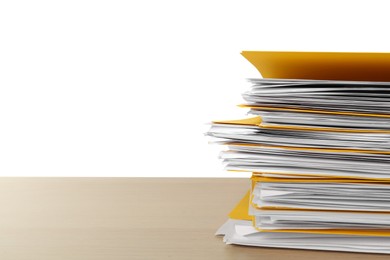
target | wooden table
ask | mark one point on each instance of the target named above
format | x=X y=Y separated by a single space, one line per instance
x=127 y=218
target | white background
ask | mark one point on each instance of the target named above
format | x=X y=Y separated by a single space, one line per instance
x=124 y=88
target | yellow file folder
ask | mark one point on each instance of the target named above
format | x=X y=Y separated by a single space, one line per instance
x=321 y=65
x=240 y=212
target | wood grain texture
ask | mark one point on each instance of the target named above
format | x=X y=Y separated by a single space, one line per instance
x=127 y=218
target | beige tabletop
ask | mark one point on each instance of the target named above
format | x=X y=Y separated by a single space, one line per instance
x=127 y=218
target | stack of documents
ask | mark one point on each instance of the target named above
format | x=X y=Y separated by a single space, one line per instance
x=317 y=142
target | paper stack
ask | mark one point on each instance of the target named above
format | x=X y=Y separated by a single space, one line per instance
x=318 y=145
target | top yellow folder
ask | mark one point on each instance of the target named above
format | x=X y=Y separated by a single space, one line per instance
x=350 y=66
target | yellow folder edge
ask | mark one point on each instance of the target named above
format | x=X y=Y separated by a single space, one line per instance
x=240 y=211
x=252 y=121
x=318 y=111
x=256 y=121
x=256 y=178
x=351 y=66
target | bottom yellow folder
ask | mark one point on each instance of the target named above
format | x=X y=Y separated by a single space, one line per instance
x=240 y=212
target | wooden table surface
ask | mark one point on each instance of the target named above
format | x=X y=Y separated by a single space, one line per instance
x=127 y=218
